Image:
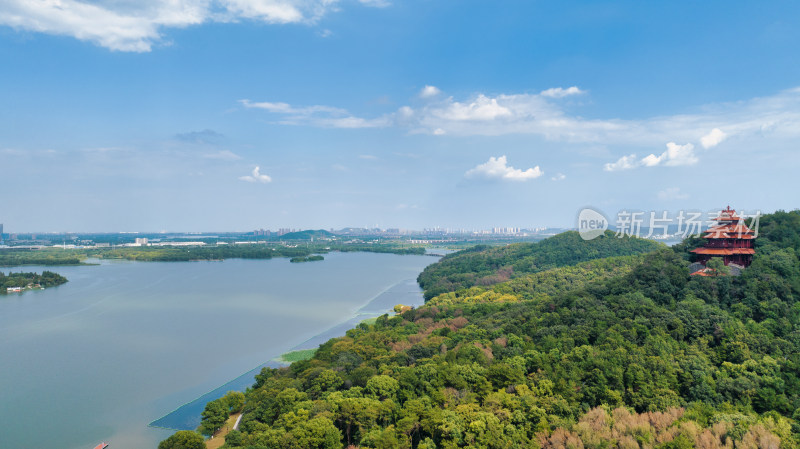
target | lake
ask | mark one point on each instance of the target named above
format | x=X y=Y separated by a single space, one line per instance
x=124 y=343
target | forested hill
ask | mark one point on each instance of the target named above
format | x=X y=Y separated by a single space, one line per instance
x=628 y=352
x=485 y=265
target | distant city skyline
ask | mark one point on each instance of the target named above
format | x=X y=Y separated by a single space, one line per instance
x=195 y=115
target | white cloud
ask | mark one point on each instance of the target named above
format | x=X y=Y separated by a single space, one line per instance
x=138 y=25
x=478 y=115
x=376 y=3
x=429 y=91
x=482 y=108
x=774 y=117
x=317 y=115
x=674 y=156
x=624 y=163
x=559 y=177
x=672 y=193
x=498 y=168
x=285 y=108
x=369 y=157
x=223 y=155
x=560 y=92
x=256 y=176
x=115 y=30
x=712 y=139
x=274 y=11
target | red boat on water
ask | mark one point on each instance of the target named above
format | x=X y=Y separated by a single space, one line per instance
x=102 y=445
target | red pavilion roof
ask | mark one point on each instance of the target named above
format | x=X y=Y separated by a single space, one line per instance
x=725 y=235
x=727 y=215
x=723 y=251
x=729 y=231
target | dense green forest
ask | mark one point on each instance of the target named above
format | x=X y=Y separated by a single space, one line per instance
x=11 y=257
x=628 y=352
x=46 y=279
x=483 y=265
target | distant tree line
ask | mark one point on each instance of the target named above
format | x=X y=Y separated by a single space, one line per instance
x=306 y=259
x=10 y=257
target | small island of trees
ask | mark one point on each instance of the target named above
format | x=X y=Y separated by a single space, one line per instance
x=29 y=280
x=314 y=258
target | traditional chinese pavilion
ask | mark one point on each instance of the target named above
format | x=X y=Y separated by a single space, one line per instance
x=730 y=239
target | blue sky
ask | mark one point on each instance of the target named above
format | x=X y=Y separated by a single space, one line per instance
x=188 y=115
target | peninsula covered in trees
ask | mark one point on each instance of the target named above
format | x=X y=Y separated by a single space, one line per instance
x=577 y=347
x=11 y=257
x=165 y=253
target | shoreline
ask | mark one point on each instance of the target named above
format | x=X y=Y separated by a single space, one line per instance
x=187 y=415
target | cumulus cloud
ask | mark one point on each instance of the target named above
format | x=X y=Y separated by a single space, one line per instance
x=624 y=163
x=674 y=156
x=672 y=193
x=712 y=139
x=429 y=91
x=774 y=117
x=559 y=177
x=477 y=115
x=138 y=25
x=482 y=108
x=272 y=11
x=560 y=92
x=497 y=168
x=256 y=176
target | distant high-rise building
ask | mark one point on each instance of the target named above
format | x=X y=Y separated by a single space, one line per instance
x=1 y=232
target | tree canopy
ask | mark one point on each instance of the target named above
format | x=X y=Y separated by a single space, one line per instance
x=183 y=439
x=621 y=352
x=483 y=265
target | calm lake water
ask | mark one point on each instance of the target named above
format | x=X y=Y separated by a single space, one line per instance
x=124 y=343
